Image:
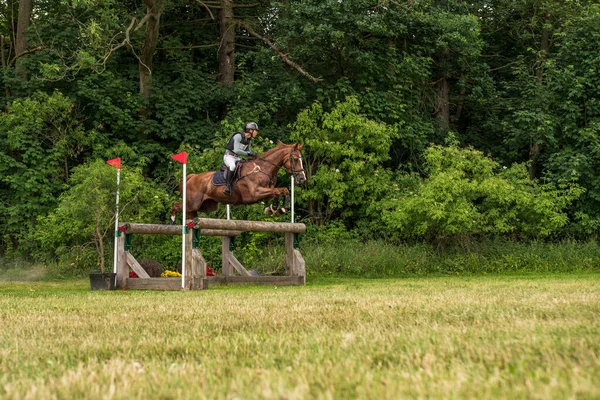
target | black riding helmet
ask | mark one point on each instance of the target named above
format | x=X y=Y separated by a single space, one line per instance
x=250 y=125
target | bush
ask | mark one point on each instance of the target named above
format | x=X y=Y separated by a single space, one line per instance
x=468 y=194
x=153 y=268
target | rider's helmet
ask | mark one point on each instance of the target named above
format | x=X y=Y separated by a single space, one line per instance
x=250 y=125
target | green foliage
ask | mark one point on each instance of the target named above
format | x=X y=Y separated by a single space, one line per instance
x=521 y=80
x=41 y=138
x=80 y=230
x=344 y=157
x=381 y=259
x=468 y=194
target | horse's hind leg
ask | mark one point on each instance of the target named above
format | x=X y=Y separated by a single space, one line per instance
x=175 y=208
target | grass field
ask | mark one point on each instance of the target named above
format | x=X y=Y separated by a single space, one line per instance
x=520 y=336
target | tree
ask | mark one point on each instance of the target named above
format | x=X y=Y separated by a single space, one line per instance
x=344 y=159
x=40 y=140
x=84 y=216
x=152 y=21
x=23 y=22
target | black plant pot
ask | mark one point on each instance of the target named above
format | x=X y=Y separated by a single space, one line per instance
x=104 y=281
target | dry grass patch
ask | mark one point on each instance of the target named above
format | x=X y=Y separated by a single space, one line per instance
x=518 y=337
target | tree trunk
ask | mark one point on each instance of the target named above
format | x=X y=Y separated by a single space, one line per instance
x=442 y=92
x=226 y=49
x=443 y=103
x=226 y=44
x=150 y=40
x=4 y=65
x=442 y=111
x=23 y=22
x=535 y=149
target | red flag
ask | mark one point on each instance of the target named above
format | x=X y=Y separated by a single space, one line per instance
x=181 y=157
x=115 y=162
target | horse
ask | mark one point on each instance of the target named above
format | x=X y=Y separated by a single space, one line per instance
x=254 y=181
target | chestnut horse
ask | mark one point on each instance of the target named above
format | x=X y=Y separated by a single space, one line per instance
x=255 y=182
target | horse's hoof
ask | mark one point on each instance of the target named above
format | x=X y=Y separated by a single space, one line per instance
x=268 y=211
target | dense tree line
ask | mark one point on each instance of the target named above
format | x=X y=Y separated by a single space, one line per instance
x=422 y=119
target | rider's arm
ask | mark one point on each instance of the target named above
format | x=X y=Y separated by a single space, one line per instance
x=237 y=146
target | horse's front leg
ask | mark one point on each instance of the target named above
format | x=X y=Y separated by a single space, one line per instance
x=275 y=209
x=286 y=204
x=272 y=208
x=271 y=193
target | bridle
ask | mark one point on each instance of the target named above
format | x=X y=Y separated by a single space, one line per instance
x=291 y=160
x=291 y=171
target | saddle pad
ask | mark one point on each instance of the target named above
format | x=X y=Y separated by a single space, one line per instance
x=218 y=178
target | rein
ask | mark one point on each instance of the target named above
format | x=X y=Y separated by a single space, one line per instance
x=271 y=183
x=289 y=171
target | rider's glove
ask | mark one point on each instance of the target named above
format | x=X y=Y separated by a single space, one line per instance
x=252 y=154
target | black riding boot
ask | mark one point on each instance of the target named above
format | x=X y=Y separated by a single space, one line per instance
x=228 y=176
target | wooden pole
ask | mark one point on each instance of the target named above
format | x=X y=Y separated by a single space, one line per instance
x=225 y=263
x=249 y=226
x=160 y=229
x=116 y=221
x=122 y=270
x=184 y=219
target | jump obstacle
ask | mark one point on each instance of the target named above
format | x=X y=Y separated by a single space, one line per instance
x=195 y=268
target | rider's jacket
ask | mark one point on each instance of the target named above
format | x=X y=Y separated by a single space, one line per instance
x=238 y=145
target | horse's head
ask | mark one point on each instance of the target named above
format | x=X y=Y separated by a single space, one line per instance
x=294 y=164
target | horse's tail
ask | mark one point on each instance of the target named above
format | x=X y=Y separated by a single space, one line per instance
x=177 y=207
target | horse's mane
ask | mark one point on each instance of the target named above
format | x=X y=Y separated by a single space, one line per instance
x=279 y=146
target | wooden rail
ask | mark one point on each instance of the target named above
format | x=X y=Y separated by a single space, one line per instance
x=249 y=226
x=158 y=229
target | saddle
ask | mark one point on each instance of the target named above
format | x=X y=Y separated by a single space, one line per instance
x=218 y=178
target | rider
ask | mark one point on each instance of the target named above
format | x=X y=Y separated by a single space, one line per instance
x=238 y=145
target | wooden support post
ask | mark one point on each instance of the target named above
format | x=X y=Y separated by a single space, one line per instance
x=122 y=270
x=135 y=266
x=227 y=268
x=190 y=273
x=200 y=265
x=234 y=262
x=293 y=259
x=230 y=261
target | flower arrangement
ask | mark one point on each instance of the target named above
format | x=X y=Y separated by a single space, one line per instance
x=170 y=274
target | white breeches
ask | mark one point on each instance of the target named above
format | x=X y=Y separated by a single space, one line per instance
x=230 y=161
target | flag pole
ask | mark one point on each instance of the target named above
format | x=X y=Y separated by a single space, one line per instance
x=116 y=221
x=183 y=227
x=182 y=158
x=293 y=198
x=116 y=162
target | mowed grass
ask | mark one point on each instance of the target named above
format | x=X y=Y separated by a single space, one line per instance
x=442 y=337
